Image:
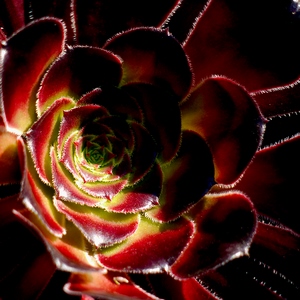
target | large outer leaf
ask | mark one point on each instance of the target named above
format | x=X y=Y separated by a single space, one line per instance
x=224 y=114
x=69 y=252
x=271 y=182
x=25 y=59
x=11 y=16
x=186 y=179
x=99 y=20
x=224 y=228
x=149 y=55
x=77 y=71
x=248 y=43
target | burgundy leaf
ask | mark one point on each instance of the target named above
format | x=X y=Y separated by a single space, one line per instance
x=228 y=119
x=157 y=245
x=245 y=43
x=161 y=116
x=144 y=153
x=273 y=173
x=69 y=252
x=166 y=287
x=65 y=187
x=11 y=16
x=115 y=101
x=76 y=118
x=99 y=227
x=77 y=71
x=113 y=285
x=279 y=100
x=96 y=20
x=25 y=61
x=61 y=9
x=185 y=180
x=149 y=55
x=139 y=197
x=43 y=134
x=225 y=224
x=37 y=196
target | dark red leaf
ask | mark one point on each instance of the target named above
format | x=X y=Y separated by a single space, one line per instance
x=144 y=153
x=152 y=248
x=96 y=21
x=271 y=182
x=115 y=101
x=152 y=56
x=225 y=224
x=113 y=285
x=76 y=72
x=99 y=227
x=139 y=197
x=166 y=287
x=161 y=117
x=25 y=61
x=224 y=114
x=62 y=9
x=185 y=180
x=247 y=43
x=11 y=16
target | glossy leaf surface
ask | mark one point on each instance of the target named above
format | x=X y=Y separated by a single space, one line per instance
x=224 y=114
x=25 y=61
x=157 y=246
x=225 y=224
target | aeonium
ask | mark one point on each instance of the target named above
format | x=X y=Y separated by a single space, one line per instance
x=120 y=153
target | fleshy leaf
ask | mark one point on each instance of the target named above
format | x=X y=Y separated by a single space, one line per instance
x=225 y=224
x=166 y=287
x=11 y=16
x=41 y=136
x=243 y=276
x=148 y=55
x=229 y=120
x=102 y=189
x=76 y=72
x=62 y=9
x=24 y=274
x=65 y=187
x=281 y=100
x=74 y=119
x=37 y=196
x=9 y=158
x=69 y=252
x=67 y=158
x=144 y=153
x=244 y=43
x=161 y=116
x=279 y=248
x=121 y=129
x=113 y=285
x=186 y=179
x=115 y=101
x=139 y=197
x=272 y=173
x=183 y=18
x=157 y=246
x=25 y=59
x=99 y=227
x=96 y=20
